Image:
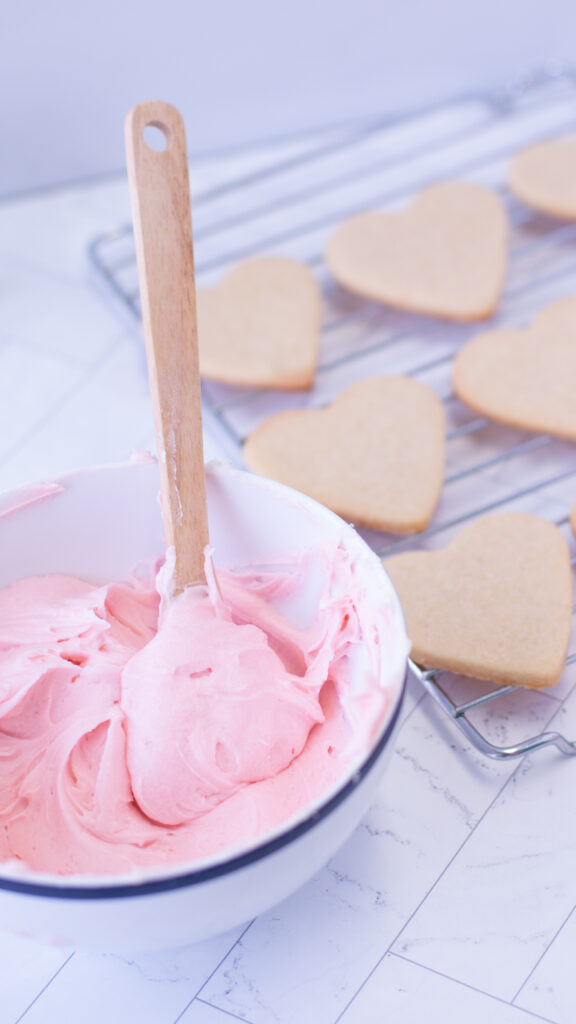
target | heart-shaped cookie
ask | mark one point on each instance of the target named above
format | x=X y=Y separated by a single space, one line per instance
x=495 y=604
x=260 y=326
x=444 y=255
x=544 y=177
x=525 y=378
x=375 y=456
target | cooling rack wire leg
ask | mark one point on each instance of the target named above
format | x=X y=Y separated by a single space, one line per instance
x=428 y=679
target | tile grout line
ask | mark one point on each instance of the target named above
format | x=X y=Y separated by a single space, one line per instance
x=86 y=378
x=447 y=866
x=55 y=275
x=472 y=988
x=43 y=989
x=206 y=1002
x=211 y=975
x=38 y=348
x=521 y=762
x=220 y=1009
x=541 y=957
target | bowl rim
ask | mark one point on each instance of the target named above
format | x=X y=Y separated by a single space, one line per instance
x=125 y=889
x=92 y=886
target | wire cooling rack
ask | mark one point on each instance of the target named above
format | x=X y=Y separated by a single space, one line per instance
x=289 y=205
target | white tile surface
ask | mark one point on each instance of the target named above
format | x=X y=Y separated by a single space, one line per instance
x=499 y=905
x=151 y=988
x=551 y=988
x=200 y=1012
x=45 y=311
x=399 y=990
x=33 y=386
x=102 y=419
x=432 y=797
x=26 y=969
x=50 y=232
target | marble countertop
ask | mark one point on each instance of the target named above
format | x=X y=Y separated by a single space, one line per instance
x=453 y=900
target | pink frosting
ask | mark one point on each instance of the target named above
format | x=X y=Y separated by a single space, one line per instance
x=131 y=738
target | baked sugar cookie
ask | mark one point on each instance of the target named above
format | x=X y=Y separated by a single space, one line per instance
x=525 y=378
x=375 y=457
x=444 y=255
x=544 y=177
x=495 y=604
x=260 y=326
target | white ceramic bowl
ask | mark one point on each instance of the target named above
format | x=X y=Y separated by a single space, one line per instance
x=99 y=526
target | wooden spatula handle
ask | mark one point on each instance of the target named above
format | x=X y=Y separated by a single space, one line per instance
x=160 y=196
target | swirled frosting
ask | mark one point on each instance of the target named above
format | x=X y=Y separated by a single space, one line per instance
x=132 y=736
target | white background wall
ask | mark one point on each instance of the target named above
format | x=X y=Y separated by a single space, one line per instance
x=241 y=70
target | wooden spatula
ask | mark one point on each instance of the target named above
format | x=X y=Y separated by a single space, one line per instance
x=160 y=195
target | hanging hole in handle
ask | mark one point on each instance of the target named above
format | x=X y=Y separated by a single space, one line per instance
x=156 y=136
